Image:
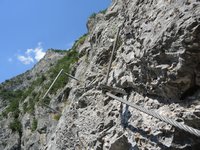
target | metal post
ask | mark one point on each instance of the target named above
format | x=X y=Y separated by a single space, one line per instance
x=52 y=84
x=112 y=54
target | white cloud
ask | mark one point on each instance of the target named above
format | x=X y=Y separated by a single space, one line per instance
x=29 y=51
x=31 y=55
x=25 y=60
x=39 y=53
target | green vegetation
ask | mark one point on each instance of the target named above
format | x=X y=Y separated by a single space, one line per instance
x=13 y=82
x=103 y=11
x=25 y=107
x=34 y=84
x=13 y=97
x=10 y=94
x=58 y=50
x=16 y=126
x=65 y=63
x=56 y=117
x=46 y=100
x=31 y=95
x=34 y=124
x=80 y=41
x=31 y=106
x=28 y=78
x=93 y=15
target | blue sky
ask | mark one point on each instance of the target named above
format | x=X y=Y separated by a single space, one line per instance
x=29 y=27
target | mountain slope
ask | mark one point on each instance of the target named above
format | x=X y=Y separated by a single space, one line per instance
x=156 y=63
x=21 y=97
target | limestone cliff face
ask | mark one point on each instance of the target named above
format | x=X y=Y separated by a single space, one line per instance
x=157 y=62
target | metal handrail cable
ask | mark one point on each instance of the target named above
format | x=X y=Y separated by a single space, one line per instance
x=158 y=116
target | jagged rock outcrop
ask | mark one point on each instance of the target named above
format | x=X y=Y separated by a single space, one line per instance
x=156 y=62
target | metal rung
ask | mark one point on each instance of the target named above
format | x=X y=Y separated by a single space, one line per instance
x=54 y=110
x=52 y=84
x=72 y=77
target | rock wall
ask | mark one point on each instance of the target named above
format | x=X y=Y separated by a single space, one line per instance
x=156 y=62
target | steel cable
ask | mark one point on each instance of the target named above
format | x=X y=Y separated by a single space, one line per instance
x=158 y=116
